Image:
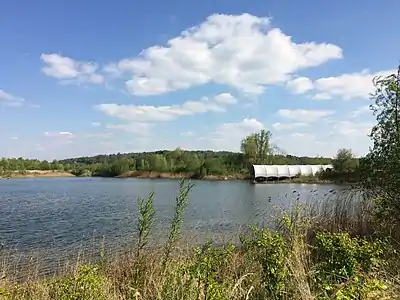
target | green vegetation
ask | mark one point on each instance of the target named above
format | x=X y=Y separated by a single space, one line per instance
x=193 y=164
x=20 y=166
x=345 y=168
x=346 y=247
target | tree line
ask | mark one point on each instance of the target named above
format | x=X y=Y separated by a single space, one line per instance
x=198 y=163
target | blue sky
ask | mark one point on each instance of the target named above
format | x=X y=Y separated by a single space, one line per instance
x=88 y=77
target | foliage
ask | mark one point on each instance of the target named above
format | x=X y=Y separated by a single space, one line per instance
x=344 y=264
x=87 y=284
x=3 y=293
x=345 y=168
x=208 y=262
x=145 y=221
x=381 y=166
x=257 y=148
x=344 y=161
x=270 y=250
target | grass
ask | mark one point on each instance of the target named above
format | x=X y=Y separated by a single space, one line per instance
x=330 y=250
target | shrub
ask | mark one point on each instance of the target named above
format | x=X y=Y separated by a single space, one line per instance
x=344 y=265
x=270 y=250
x=87 y=284
x=206 y=267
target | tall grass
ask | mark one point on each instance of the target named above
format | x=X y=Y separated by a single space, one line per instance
x=346 y=210
x=326 y=251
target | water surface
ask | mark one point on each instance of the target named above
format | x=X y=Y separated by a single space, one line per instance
x=60 y=216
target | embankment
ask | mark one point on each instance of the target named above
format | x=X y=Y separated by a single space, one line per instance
x=170 y=175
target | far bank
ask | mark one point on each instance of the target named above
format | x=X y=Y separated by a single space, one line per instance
x=37 y=174
x=171 y=175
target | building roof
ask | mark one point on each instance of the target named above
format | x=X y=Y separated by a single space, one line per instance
x=279 y=171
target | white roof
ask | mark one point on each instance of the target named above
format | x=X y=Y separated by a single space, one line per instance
x=280 y=171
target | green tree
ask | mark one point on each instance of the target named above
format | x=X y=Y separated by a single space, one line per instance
x=257 y=147
x=192 y=163
x=249 y=148
x=158 y=162
x=381 y=167
x=344 y=161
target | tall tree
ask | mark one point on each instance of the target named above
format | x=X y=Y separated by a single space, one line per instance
x=344 y=161
x=249 y=148
x=257 y=147
x=381 y=167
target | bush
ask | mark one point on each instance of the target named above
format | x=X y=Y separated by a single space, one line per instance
x=205 y=269
x=87 y=284
x=344 y=265
x=270 y=250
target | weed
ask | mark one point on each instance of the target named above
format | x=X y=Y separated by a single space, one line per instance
x=181 y=202
x=145 y=223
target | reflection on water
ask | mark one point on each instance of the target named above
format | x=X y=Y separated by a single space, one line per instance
x=61 y=216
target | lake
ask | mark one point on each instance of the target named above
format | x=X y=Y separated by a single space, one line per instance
x=57 y=217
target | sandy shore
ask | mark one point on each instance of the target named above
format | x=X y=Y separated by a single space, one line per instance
x=40 y=174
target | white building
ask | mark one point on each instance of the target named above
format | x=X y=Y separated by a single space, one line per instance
x=286 y=171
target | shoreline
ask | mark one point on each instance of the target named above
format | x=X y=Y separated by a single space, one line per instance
x=38 y=174
x=234 y=177
x=169 y=175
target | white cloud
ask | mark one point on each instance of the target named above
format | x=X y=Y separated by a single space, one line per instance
x=147 y=113
x=10 y=100
x=14 y=138
x=138 y=128
x=101 y=135
x=247 y=126
x=225 y=99
x=300 y=85
x=64 y=134
x=322 y=96
x=346 y=86
x=96 y=124
x=287 y=126
x=349 y=86
x=353 y=129
x=227 y=136
x=304 y=115
x=361 y=111
x=69 y=70
x=243 y=51
x=187 y=133
x=302 y=136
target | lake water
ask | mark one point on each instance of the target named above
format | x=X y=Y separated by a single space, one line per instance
x=60 y=216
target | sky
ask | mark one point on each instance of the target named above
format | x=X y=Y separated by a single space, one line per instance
x=80 y=78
